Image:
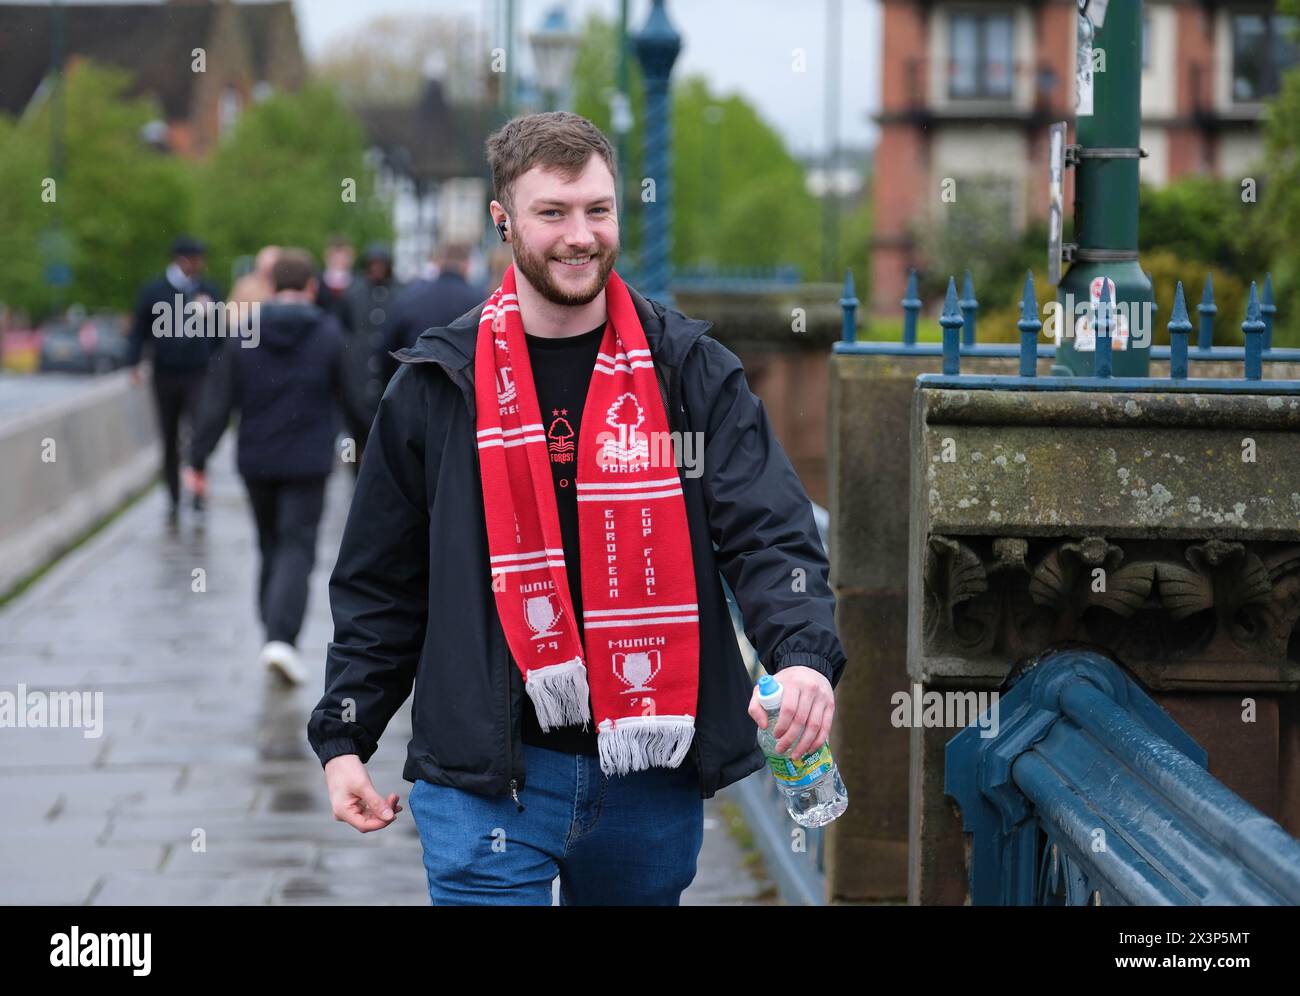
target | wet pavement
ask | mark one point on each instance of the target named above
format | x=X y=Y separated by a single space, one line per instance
x=201 y=787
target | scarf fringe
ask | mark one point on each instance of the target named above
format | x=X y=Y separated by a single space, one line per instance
x=640 y=742
x=559 y=693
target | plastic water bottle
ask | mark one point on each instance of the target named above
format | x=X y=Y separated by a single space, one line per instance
x=814 y=790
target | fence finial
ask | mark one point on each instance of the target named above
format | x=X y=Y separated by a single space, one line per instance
x=1179 y=329
x=1267 y=309
x=849 y=305
x=969 y=308
x=1029 y=326
x=950 y=322
x=1101 y=333
x=911 y=308
x=1206 y=309
x=1253 y=329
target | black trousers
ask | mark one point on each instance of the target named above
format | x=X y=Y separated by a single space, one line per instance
x=176 y=396
x=287 y=514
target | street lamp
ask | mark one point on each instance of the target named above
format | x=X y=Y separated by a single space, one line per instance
x=656 y=49
x=555 y=49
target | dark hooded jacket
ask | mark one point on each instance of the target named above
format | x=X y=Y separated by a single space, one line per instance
x=411 y=591
x=285 y=385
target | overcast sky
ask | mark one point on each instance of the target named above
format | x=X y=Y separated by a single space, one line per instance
x=743 y=46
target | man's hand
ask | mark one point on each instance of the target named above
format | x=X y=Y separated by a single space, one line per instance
x=353 y=797
x=807 y=706
x=196 y=481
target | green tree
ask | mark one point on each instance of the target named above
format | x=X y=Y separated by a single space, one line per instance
x=23 y=216
x=974 y=231
x=739 y=196
x=1205 y=219
x=119 y=201
x=291 y=172
x=854 y=252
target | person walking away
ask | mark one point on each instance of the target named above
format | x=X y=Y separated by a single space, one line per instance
x=526 y=558
x=370 y=302
x=427 y=304
x=179 y=362
x=285 y=391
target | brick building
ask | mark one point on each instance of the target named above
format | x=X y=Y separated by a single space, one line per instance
x=248 y=50
x=969 y=89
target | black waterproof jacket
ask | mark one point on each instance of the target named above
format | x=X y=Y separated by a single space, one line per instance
x=285 y=389
x=411 y=591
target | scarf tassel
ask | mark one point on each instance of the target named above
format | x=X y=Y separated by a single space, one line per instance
x=639 y=742
x=559 y=693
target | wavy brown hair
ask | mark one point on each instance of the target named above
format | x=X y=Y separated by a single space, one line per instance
x=556 y=140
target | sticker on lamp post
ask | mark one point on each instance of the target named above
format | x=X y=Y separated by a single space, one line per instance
x=1083 y=67
x=1056 y=200
x=1085 y=333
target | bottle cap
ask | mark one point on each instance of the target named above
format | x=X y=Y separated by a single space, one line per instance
x=769 y=692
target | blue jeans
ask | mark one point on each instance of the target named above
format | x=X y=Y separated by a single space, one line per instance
x=621 y=840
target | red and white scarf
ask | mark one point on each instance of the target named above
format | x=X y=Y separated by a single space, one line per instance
x=641 y=662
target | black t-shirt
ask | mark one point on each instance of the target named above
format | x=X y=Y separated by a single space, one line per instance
x=562 y=371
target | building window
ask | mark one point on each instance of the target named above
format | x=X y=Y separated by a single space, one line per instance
x=980 y=53
x=1263 y=49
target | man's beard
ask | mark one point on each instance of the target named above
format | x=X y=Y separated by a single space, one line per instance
x=536 y=269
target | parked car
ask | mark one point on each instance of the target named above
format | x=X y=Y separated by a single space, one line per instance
x=84 y=344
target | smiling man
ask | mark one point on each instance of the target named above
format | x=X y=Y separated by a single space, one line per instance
x=551 y=593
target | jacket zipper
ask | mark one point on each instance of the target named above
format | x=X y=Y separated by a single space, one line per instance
x=463 y=384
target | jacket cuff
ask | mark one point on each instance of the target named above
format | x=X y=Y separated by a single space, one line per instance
x=330 y=749
x=802 y=659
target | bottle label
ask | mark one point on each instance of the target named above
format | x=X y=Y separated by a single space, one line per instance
x=801 y=772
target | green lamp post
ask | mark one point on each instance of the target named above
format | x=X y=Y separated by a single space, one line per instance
x=1107 y=125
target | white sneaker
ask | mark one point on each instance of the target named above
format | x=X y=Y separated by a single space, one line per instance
x=281 y=657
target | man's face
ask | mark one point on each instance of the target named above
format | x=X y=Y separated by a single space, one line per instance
x=565 y=233
x=191 y=265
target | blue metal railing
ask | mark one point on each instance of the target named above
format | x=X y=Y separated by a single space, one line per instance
x=959 y=323
x=1089 y=793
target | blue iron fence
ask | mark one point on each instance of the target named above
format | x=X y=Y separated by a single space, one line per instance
x=959 y=321
x=1090 y=794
